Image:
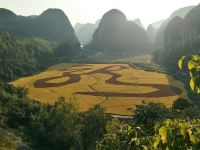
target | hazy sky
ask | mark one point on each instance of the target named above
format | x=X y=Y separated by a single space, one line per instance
x=90 y=10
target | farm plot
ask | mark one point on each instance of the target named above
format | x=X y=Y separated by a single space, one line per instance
x=118 y=86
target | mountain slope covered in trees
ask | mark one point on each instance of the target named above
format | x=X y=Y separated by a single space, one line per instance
x=52 y=25
x=159 y=38
x=181 y=38
x=29 y=44
x=25 y=56
x=22 y=56
x=116 y=35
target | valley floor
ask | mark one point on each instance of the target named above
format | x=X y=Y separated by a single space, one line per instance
x=118 y=87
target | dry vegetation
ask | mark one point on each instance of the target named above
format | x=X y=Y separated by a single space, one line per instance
x=100 y=78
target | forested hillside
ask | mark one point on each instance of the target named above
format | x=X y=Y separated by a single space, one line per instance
x=25 y=56
x=22 y=56
x=117 y=36
x=52 y=25
x=181 y=38
x=29 y=44
x=160 y=33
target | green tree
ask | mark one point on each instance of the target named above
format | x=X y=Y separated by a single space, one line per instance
x=94 y=126
x=119 y=136
x=181 y=104
x=2 y=118
x=146 y=115
x=57 y=126
x=168 y=135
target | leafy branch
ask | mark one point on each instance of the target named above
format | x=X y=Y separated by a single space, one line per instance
x=192 y=63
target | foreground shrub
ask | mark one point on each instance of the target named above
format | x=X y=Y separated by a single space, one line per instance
x=192 y=64
x=169 y=135
x=9 y=141
x=146 y=115
x=57 y=127
x=174 y=134
x=2 y=119
x=94 y=126
x=119 y=136
x=181 y=104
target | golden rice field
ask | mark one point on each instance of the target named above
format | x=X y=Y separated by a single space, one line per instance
x=118 y=86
